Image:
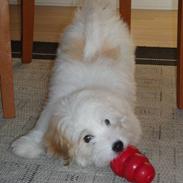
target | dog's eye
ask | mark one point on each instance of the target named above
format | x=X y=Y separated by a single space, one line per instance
x=88 y=138
x=107 y=122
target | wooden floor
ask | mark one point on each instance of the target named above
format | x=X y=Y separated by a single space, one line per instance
x=149 y=27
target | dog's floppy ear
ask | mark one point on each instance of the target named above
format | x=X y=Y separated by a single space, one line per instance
x=56 y=143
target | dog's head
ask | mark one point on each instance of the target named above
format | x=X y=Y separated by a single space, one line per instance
x=93 y=129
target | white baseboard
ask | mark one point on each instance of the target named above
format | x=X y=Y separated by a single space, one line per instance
x=50 y=2
x=155 y=4
x=136 y=4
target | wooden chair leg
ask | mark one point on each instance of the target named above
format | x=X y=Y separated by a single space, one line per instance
x=180 y=57
x=6 y=71
x=125 y=11
x=28 y=7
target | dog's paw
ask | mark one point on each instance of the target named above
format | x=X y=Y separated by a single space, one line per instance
x=27 y=148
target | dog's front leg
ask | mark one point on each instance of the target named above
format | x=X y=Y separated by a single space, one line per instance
x=31 y=144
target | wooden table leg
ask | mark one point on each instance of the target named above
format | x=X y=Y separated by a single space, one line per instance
x=180 y=57
x=125 y=10
x=28 y=7
x=6 y=71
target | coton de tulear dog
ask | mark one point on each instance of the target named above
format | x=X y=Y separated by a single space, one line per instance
x=89 y=117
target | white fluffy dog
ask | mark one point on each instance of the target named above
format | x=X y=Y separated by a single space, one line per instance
x=89 y=116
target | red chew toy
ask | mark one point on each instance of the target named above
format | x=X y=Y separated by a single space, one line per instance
x=133 y=166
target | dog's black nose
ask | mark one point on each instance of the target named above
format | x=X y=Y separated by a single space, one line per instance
x=117 y=146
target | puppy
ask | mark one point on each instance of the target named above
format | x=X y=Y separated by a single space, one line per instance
x=89 y=117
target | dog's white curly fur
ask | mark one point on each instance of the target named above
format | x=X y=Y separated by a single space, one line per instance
x=92 y=93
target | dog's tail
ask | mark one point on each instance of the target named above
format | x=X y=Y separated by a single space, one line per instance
x=97 y=17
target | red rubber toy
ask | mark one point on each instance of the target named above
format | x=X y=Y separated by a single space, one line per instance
x=133 y=166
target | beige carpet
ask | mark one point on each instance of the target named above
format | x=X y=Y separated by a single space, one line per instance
x=162 y=125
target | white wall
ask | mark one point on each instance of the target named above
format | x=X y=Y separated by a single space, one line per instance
x=136 y=4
